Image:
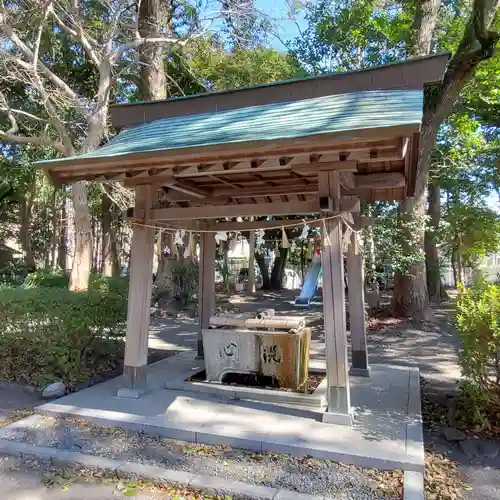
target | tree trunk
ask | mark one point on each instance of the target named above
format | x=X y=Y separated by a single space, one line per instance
x=477 y=44
x=460 y=269
x=25 y=229
x=410 y=285
x=109 y=252
x=264 y=270
x=62 y=249
x=454 y=258
x=154 y=19
x=278 y=268
x=369 y=252
x=433 y=268
x=82 y=259
x=225 y=264
x=164 y=285
x=424 y=22
x=53 y=244
x=302 y=261
x=94 y=244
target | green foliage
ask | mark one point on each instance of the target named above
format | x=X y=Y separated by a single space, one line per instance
x=478 y=323
x=47 y=278
x=12 y=272
x=222 y=70
x=352 y=34
x=51 y=334
x=391 y=242
x=185 y=277
x=472 y=231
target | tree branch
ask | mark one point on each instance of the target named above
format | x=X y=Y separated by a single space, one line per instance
x=9 y=110
x=35 y=140
x=79 y=34
x=477 y=45
x=116 y=54
x=7 y=30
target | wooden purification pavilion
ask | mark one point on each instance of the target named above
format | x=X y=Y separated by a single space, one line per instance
x=316 y=145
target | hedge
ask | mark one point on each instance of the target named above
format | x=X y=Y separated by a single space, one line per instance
x=478 y=324
x=50 y=334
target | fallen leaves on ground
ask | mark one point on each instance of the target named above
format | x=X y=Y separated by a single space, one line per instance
x=389 y=481
x=64 y=478
x=443 y=480
x=17 y=415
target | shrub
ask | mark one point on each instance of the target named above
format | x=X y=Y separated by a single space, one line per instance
x=53 y=334
x=48 y=278
x=13 y=272
x=478 y=322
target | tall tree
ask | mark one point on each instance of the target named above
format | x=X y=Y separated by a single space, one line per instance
x=64 y=54
x=477 y=44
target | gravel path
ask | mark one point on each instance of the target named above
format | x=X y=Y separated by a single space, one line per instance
x=301 y=474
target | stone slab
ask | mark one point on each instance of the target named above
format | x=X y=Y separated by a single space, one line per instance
x=16 y=448
x=293 y=495
x=479 y=448
x=414 y=429
x=413 y=485
x=152 y=472
x=219 y=486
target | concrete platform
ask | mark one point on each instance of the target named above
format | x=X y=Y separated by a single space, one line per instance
x=387 y=430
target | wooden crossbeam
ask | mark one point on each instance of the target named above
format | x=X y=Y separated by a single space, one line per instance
x=387 y=180
x=224 y=195
x=186 y=187
x=266 y=190
x=383 y=180
x=189 y=188
x=347 y=204
x=243 y=210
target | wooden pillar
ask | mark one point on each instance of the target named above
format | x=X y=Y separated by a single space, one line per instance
x=339 y=408
x=139 y=300
x=251 y=263
x=355 y=280
x=206 y=299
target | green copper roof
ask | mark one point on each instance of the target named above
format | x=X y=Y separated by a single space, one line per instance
x=321 y=115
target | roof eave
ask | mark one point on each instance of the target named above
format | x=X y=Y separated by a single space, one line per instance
x=65 y=171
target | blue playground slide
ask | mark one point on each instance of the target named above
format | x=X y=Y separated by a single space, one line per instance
x=310 y=285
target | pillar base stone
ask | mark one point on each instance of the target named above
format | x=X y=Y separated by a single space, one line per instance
x=359 y=372
x=332 y=417
x=126 y=392
x=136 y=382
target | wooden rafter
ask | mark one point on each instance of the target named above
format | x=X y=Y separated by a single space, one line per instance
x=321 y=144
